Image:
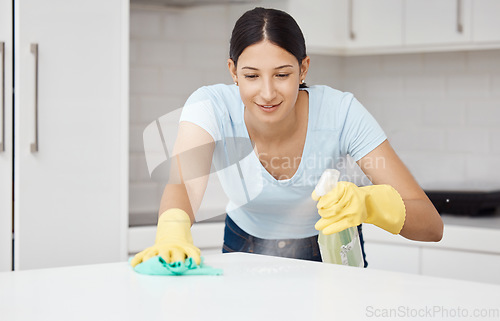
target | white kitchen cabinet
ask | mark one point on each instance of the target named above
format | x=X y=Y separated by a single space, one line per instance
x=347 y=26
x=464 y=265
x=468 y=251
x=375 y=23
x=208 y=237
x=324 y=28
x=6 y=135
x=362 y=27
x=452 y=24
x=393 y=257
x=70 y=133
x=430 y=22
x=486 y=27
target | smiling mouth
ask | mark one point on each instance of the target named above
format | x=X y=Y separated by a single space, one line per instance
x=268 y=106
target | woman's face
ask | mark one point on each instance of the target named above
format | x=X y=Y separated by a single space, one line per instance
x=268 y=77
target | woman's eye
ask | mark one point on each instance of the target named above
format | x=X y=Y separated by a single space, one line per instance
x=282 y=75
x=250 y=76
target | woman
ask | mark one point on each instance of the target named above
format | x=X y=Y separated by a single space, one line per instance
x=294 y=133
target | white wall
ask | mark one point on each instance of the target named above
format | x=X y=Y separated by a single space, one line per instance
x=441 y=111
x=172 y=53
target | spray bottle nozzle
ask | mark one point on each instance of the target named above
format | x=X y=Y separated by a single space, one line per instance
x=327 y=182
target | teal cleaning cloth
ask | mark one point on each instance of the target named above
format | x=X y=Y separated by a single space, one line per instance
x=157 y=266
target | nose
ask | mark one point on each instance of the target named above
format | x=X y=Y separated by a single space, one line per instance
x=268 y=90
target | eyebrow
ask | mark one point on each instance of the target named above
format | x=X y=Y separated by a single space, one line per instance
x=280 y=67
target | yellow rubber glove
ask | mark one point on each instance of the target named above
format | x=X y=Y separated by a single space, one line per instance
x=173 y=239
x=348 y=205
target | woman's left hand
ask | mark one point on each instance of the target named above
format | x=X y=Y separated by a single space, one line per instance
x=348 y=205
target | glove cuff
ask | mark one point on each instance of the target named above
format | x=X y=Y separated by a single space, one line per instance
x=386 y=208
x=174 y=224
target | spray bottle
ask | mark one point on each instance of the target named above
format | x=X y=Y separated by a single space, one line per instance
x=343 y=247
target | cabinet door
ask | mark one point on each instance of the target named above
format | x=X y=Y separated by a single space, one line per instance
x=338 y=26
x=375 y=23
x=322 y=22
x=5 y=135
x=485 y=17
x=72 y=100
x=391 y=257
x=430 y=22
x=463 y=265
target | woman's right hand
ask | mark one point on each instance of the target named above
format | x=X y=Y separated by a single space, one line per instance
x=173 y=240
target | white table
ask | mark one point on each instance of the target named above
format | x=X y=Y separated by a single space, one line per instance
x=253 y=287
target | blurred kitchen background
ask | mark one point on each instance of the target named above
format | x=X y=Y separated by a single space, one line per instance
x=439 y=102
x=440 y=110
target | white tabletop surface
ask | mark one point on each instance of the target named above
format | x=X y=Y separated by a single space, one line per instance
x=253 y=287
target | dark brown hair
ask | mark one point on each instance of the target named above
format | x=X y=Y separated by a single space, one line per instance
x=273 y=25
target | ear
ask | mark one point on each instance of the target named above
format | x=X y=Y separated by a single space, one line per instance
x=304 y=67
x=232 y=69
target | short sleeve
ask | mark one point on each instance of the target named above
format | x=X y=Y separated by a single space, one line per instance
x=360 y=132
x=199 y=109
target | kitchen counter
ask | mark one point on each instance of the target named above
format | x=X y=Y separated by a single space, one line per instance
x=253 y=287
x=468 y=251
x=480 y=233
x=487 y=221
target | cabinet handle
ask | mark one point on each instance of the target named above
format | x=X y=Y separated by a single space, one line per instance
x=352 y=34
x=34 y=50
x=2 y=133
x=460 y=25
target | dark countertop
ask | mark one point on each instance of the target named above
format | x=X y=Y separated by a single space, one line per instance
x=148 y=219
x=485 y=221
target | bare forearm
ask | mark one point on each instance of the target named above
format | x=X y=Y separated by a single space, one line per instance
x=422 y=222
x=176 y=196
x=383 y=166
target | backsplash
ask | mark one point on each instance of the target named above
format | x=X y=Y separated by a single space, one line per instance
x=441 y=111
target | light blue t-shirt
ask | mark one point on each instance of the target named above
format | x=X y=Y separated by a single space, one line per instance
x=261 y=205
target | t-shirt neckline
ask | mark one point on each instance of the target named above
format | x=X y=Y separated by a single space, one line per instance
x=305 y=149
